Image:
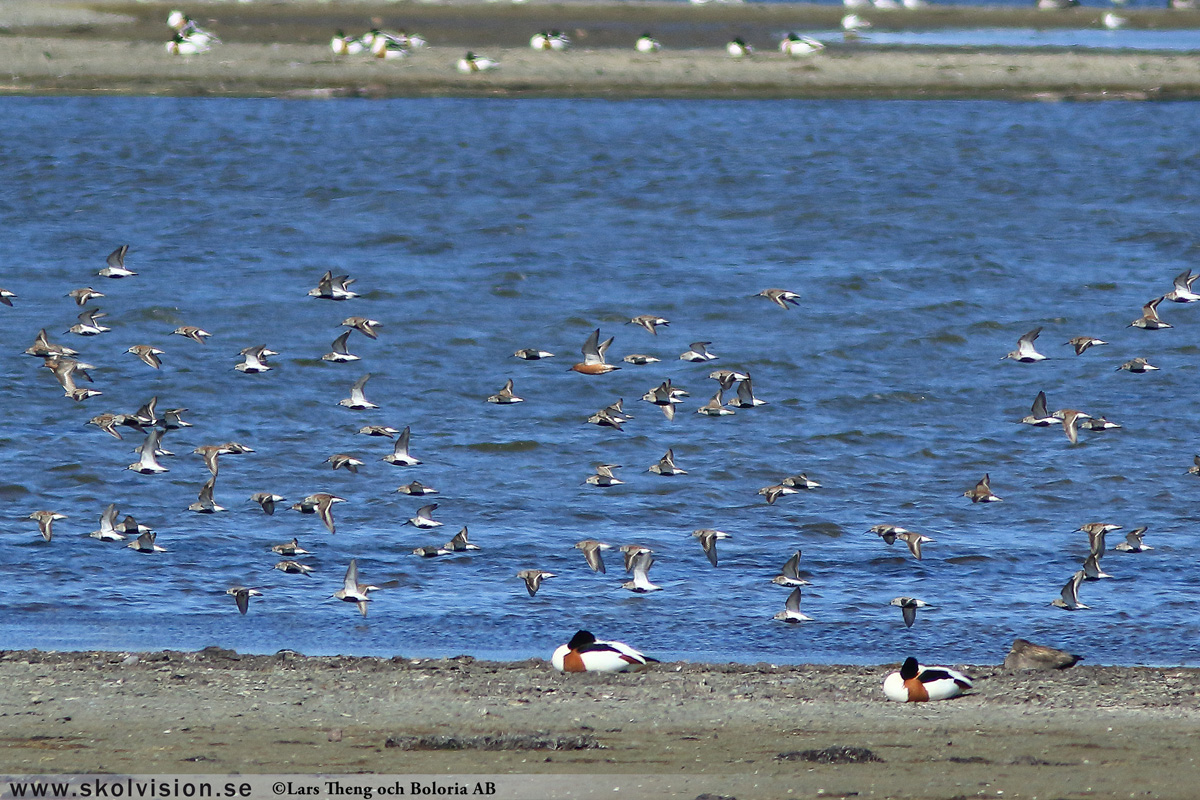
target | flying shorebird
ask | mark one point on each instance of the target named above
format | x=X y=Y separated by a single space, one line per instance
x=593 y=356
x=351 y=463
x=242 y=595
x=83 y=296
x=148 y=463
x=293 y=567
x=639 y=566
x=1039 y=416
x=172 y=419
x=1096 y=532
x=791 y=609
x=789 y=573
x=666 y=465
x=340 y=354
x=291 y=548
x=424 y=518
x=320 y=504
x=204 y=503
x=1091 y=568
x=640 y=359
x=533 y=579
x=716 y=406
x=532 y=354
x=666 y=397
x=358 y=400
x=1070 y=420
x=416 y=489
x=1182 y=291
x=1069 y=600
x=108 y=423
x=604 y=476
x=148 y=354
x=773 y=493
x=116 y=264
x=65 y=370
x=631 y=551
x=649 y=322
x=1099 y=424
x=780 y=297
x=459 y=543
x=191 y=332
x=333 y=288
x=145 y=543
x=354 y=592
x=1149 y=320
x=592 y=550
x=267 y=500
x=914 y=542
x=982 y=492
x=908 y=608
x=378 y=430
x=1137 y=366
x=1195 y=468
x=42 y=347
x=255 y=359
x=399 y=455
x=45 y=521
x=708 y=541
x=745 y=395
x=108 y=526
x=697 y=352
x=87 y=325
x=505 y=396
x=1081 y=343
x=889 y=533
x=1025 y=352
x=363 y=325
x=801 y=481
x=1133 y=542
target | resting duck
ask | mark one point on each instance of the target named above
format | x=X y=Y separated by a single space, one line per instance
x=586 y=653
x=915 y=683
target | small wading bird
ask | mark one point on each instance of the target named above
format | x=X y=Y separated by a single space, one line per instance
x=593 y=356
x=908 y=608
x=533 y=579
x=791 y=609
x=242 y=595
x=982 y=492
x=1025 y=352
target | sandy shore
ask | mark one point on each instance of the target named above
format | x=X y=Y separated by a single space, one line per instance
x=722 y=729
x=282 y=49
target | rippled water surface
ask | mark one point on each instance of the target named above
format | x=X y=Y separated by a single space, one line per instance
x=923 y=238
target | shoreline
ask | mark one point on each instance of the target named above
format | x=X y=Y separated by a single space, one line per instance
x=722 y=728
x=281 y=50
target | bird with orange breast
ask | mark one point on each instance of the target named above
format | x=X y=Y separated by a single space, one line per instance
x=586 y=653
x=593 y=356
x=917 y=684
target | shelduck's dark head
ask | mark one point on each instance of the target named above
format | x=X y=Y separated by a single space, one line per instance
x=908 y=671
x=584 y=638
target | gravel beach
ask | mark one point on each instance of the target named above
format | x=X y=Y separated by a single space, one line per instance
x=744 y=731
x=283 y=49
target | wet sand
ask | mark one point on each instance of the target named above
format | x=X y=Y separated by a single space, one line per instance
x=281 y=49
x=722 y=729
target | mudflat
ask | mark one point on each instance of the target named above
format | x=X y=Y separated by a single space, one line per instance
x=282 y=49
x=744 y=731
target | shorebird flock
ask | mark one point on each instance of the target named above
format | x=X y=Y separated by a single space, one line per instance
x=734 y=394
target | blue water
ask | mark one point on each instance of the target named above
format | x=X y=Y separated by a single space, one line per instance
x=924 y=239
x=1167 y=40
